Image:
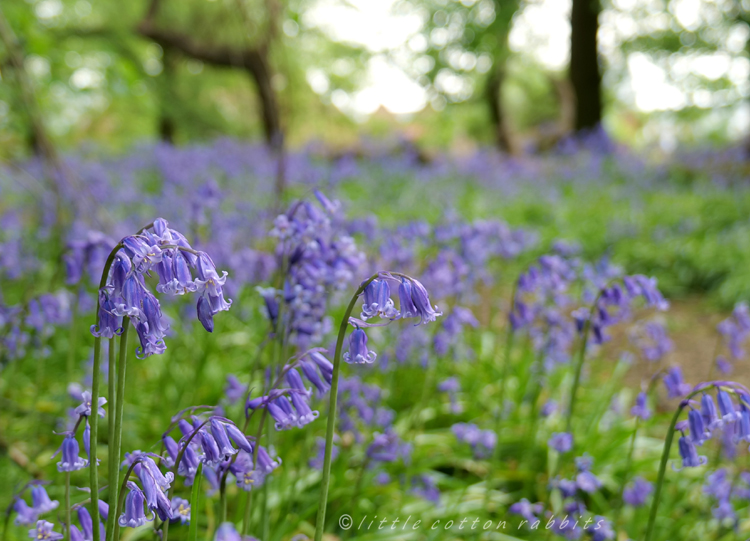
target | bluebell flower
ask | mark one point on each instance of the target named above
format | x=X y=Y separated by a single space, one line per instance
x=708 y=409
x=109 y=324
x=529 y=511
x=316 y=461
x=210 y=282
x=85 y=408
x=311 y=374
x=387 y=447
x=601 y=529
x=44 y=532
x=424 y=486
x=585 y=480
x=676 y=387
x=377 y=301
x=562 y=442
x=358 y=352
x=76 y=534
x=698 y=433
x=221 y=437
x=325 y=366
x=180 y=510
x=237 y=437
x=407 y=307
x=25 y=515
x=205 y=314
x=282 y=412
x=265 y=463
x=234 y=390
x=212 y=455
x=689 y=455
x=421 y=302
x=247 y=477
x=156 y=500
x=548 y=408
x=133 y=514
x=227 y=532
x=87 y=524
x=637 y=491
x=727 y=409
x=70 y=461
x=41 y=501
x=150 y=344
x=742 y=428
x=482 y=441
x=302 y=409
x=641 y=409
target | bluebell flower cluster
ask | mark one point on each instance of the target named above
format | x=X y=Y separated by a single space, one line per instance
x=734 y=332
x=615 y=303
x=28 y=326
x=452 y=387
x=726 y=488
x=652 y=340
x=86 y=253
x=316 y=257
x=27 y=515
x=414 y=302
x=637 y=492
x=167 y=253
x=289 y=406
x=482 y=442
x=424 y=486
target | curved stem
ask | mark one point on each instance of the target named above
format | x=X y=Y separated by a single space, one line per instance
x=663 y=469
x=333 y=396
x=94 y=420
x=114 y=525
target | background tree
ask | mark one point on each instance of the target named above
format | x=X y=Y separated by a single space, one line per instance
x=585 y=77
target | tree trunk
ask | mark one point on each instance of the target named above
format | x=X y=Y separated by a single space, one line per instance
x=167 y=125
x=494 y=96
x=584 y=63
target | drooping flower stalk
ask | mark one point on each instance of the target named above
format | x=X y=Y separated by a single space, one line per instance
x=663 y=468
x=688 y=453
x=332 y=404
x=414 y=302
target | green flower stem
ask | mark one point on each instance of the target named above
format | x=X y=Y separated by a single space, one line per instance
x=248 y=509
x=579 y=362
x=115 y=448
x=333 y=395
x=94 y=420
x=111 y=464
x=665 y=458
x=67 y=506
